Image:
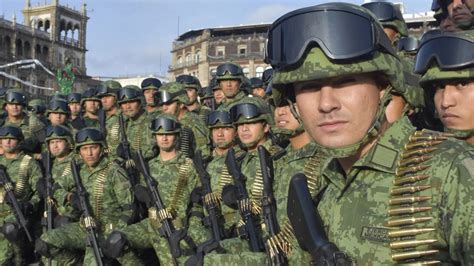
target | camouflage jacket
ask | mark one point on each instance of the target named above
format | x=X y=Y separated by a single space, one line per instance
x=139 y=133
x=24 y=173
x=409 y=197
x=28 y=125
x=60 y=172
x=113 y=133
x=200 y=131
x=202 y=111
x=226 y=103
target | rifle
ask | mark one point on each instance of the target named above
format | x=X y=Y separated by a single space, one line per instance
x=129 y=163
x=215 y=220
x=308 y=226
x=269 y=206
x=48 y=201
x=6 y=182
x=245 y=204
x=102 y=117
x=167 y=229
x=88 y=219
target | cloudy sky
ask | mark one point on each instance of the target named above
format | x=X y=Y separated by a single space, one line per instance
x=128 y=37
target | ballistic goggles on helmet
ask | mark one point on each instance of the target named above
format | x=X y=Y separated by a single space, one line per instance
x=232 y=69
x=166 y=97
x=12 y=131
x=215 y=117
x=74 y=97
x=103 y=90
x=15 y=97
x=164 y=123
x=90 y=93
x=58 y=104
x=449 y=50
x=93 y=134
x=358 y=34
x=384 y=11
x=150 y=83
x=125 y=94
x=188 y=80
x=408 y=44
x=58 y=130
x=247 y=110
x=37 y=109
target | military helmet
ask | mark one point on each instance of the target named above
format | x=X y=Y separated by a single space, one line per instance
x=112 y=84
x=129 y=94
x=104 y=90
x=58 y=106
x=214 y=84
x=256 y=83
x=267 y=76
x=150 y=84
x=219 y=118
x=170 y=92
x=16 y=96
x=165 y=124
x=249 y=110
x=58 y=132
x=245 y=85
x=189 y=81
x=37 y=106
x=90 y=95
x=388 y=15
x=74 y=97
x=229 y=71
x=11 y=132
x=89 y=135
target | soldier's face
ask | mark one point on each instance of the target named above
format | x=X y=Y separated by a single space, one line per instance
x=90 y=153
x=192 y=95
x=91 y=107
x=453 y=102
x=252 y=134
x=223 y=137
x=108 y=102
x=131 y=109
x=459 y=11
x=258 y=92
x=9 y=145
x=14 y=109
x=166 y=142
x=75 y=108
x=58 y=147
x=219 y=96
x=391 y=33
x=285 y=119
x=338 y=112
x=171 y=108
x=230 y=87
x=149 y=96
x=57 y=118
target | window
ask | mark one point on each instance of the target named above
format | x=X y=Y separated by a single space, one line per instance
x=220 y=51
x=242 y=49
x=188 y=58
x=198 y=56
x=179 y=60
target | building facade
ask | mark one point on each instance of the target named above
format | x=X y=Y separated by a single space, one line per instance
x=51 y=33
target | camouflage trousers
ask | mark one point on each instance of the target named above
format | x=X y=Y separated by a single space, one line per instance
x=237 y=253
x=7 y=252
x=72 y=237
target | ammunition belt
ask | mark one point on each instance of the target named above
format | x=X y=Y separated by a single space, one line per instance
x=311 y=170
x=98 y=195
x=181 y=185
x=410 y=203
x=281 y=242
x=157 y=217
x=224 y=179
x=22 y=182
x=257 y=192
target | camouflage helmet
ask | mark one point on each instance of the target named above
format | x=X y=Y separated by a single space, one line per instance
x=189 y=81
x=74 y=97
x=129 y=93
x=388 y=15
x=37 y=106
x=89 y=135
x=172 y=91
x=150 y=84
x=256 y=83
x=16 y=96
x=58 y=106
x=58 y=132
x=165 y=124
x=228 y=71
x=214 y=84
x=104 y=90
x=206 y=93
x=112 y=84
x=90 y=95
x=250 y=110
x=218 y=119
x=11 y=132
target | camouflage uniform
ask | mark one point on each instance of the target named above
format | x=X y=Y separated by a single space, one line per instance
x=138 y=132
x=113 y=133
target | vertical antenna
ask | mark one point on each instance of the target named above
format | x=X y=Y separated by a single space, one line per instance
x=178 y=25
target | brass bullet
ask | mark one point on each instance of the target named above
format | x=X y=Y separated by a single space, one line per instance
x=412 y=254
x=408 y=210
x=410 y=169
x=409 y=199
x=428 y=137
x=409 y=232
x=419 y=159
x=412 y=243
x=423 y=263
x=408 y=189
x=408 y=221
x=409 y=179
x=418 y=152
x=422 y=144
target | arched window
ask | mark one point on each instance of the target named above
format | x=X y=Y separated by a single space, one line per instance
x=27 y=50
x=198 y=56
x=188 y=58
x=19 y=47
x=47 y=25
x=179 y=60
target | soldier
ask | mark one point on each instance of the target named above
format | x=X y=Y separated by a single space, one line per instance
x=193 y=86
x=90 y=104
x=150 y=87
x=449 y=86
x=229 y=77
x=207 y=98
x=176 y=178
x=173 y=100
x=24 y=172
x=110 y=199
x=58 y=112
x=107 y=93
x=37 y=107
x=217 y=92
x=258 y=89
x=460 y=12
x=383 y=204
x=74 y=103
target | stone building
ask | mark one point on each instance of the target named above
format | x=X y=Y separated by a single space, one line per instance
x=51 y=33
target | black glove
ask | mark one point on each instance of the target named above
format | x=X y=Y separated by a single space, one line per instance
x=41 y=188
x=27 y=208
x=13 y=232
x=143 y=195
x=329 y=255
x=121 y=151
x=115 y=245
x=229 y=196
x=196 y=196
x=75 y=201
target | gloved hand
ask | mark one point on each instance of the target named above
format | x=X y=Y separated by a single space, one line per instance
x=142 y=194
x=229 y=196
x=75 y=201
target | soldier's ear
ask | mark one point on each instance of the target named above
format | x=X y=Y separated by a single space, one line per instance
x=266 y=128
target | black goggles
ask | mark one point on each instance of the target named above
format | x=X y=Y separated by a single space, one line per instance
x=58 y=104
x=90 y=93
x=234 y=70
x=187 y=79
x=318 y=25
x=164 y=123
x=93 y=134
x=13 y=131
x=59 y=131
x=408 y=44
x=151 y=82
x=450 y=52
x=219 y=116
x=384 y=11
x=103 y=90
x=74 y=97
x=247 y=110
x=166 y=97
x=128 y=94
x=15 y=97
x=37 y=109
